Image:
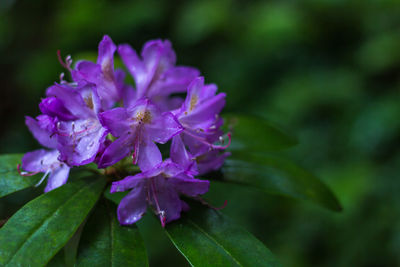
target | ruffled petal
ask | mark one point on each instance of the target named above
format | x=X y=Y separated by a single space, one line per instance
x=79 y=141
x=72 y=100
x=54 y=107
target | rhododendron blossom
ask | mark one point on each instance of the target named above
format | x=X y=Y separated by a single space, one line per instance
x=98 y=118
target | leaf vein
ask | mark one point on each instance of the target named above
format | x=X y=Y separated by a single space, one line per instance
x=216 y=242
x=44 y=221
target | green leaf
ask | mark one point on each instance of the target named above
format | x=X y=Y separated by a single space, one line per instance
x=105 y=242
x=278 y=176
x=10 y=180
x=58 y=260
x=71 y=248
x=257 y=134
x=43 y=226
x=206 y=237
x=114 y=197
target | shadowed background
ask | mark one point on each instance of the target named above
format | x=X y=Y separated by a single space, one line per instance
x=328 y=71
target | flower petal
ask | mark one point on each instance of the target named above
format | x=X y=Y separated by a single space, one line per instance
x=40 y=160
x=134 y=65
x=58 y=177
x=168 y=199
x=54 y=107
x=181 y=156
x=189 y=186
x=72 y=99
x=41 y=133
x=132 y=206
x=163 y=127
x=211 y=161
x=205 y=114
x=79 y=141
x=149 y=154
x=117 y=121
x=173 y=80
x=116 y=151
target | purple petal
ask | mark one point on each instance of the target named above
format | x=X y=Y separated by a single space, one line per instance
x=40 y=160
x=132 y=206
x=168 y=199
x=42 y=134
x=149 y=155
x=173 y=80
x=163 y=127
x=72 y=100
x=54 y=107
x=58 y=177
x=189 y=186
x=79 y=141
x=117 y=121
x=134 y=65
x=205 y=114
x=106 y=55
x=128 y=182
x=211 y=161
x=116 y=151
x=181 y=156
x=159 y=55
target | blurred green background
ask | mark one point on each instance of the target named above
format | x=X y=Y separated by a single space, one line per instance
x=328 y=71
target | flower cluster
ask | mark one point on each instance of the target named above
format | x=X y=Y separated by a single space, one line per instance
x=99 y=118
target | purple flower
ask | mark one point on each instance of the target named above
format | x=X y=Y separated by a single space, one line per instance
x=44 y=161
x=136 y=129
x=199 y=115
x=109 y=83
x=79 y=117
x=155 y=73
x=79 y=138
x=159 y=187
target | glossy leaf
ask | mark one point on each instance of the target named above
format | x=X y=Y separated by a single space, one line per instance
x=257 y=134
x=105 y=242
x=114 y=197
x=206 y=237
x=71 y=248
x=43 y=226
x=278 y=176
x=10 y=180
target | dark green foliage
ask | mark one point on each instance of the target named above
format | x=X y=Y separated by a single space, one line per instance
x=42 y=227
x=10 y=180
x=256 y=134
x=208 y=238
x=106 y=243
x=277 y=175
